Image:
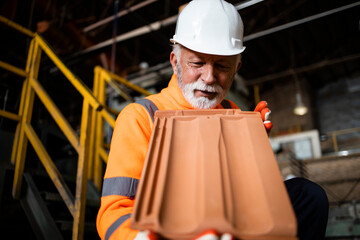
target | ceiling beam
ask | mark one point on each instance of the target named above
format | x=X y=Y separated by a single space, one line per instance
x=118 y=15
x=298 y=22
x=134 y=33
x=292 y=71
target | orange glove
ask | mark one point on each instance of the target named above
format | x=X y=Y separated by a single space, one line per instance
x=213 y=235
x=262 y=108
x=146 y=235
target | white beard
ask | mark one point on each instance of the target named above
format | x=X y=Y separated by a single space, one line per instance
x=200 y=102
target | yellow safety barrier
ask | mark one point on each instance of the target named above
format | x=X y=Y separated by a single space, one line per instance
x=9 y=115
x=90 y=146
x=335 y=134
x=75 y=204
x=16 y=26
x=98 y=154
x=12 y=69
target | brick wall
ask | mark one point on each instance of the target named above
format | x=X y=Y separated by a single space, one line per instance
x=339 y=176
x=338 y=105
x=282 y=101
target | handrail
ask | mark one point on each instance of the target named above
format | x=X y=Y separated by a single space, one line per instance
x=98 y=152
x=56 y=114
x=50 y=168
x=16 y=26
x=336 y=133
x=9 y=115
x=344 y=131
x=25 y=132
x=93 y=116
x=12 y=69
x=76 y=205
x=77 y=83
x=125 y=82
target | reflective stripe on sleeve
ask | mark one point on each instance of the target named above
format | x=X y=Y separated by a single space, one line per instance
x=115 y=225
x=123 y=186
x=149 y=106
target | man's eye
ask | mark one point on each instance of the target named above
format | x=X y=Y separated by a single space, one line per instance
x=222 y=66
x=196 y=64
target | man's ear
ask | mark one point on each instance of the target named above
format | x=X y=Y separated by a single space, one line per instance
x=173 y=61
x=239 y=66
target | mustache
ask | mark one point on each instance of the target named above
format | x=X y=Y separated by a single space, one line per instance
x=200 y=85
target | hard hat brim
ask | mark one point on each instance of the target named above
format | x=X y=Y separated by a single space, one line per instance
x=209 y=51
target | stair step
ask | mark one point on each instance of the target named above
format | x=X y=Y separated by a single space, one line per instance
x=36 y=211
x=68 y=225
x=56 y=197
x=13 y=220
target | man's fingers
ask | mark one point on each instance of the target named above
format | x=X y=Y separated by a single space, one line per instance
x=260 y=106
x=265 y=114
x=146 y=235
x=268 y=125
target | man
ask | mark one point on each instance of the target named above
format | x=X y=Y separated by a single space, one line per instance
x=208 y=42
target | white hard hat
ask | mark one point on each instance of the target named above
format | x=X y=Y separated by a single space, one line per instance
x=211 y=27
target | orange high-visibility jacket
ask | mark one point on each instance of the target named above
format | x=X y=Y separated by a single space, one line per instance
x=128 y=149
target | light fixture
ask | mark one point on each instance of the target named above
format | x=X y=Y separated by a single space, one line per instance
x=300 y=108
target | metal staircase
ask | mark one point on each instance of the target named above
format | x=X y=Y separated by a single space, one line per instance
x=60 y=203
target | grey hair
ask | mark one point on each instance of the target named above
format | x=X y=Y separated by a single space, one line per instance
x=177 y=51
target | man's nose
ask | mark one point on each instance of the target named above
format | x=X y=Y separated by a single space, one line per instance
x=208 y=75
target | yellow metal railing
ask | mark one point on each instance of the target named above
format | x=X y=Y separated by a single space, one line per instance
x=16 y=26
x=13 y=69
x=98 y=152
x=335 y=134
x=25 y=132
x=90 y=145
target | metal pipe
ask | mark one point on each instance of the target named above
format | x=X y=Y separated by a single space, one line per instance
x=300 y=21
x=145 y=3
x=134 y=33
x=113 y=50
x=16 y=26
x=9 y=115
x=77 y=83
x=120 y=14
x=246 y=4
x=298 y=70
x=12 y=69
x=50 y=168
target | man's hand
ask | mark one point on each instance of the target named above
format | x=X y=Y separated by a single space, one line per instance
x=213 y=235
x=265 y=112
x=146 y=235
